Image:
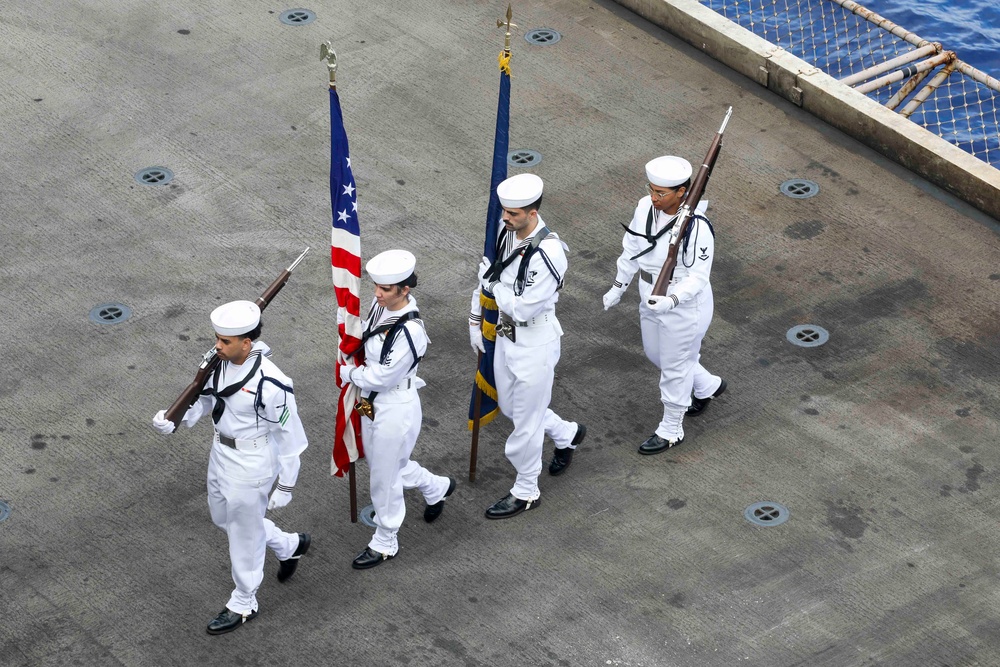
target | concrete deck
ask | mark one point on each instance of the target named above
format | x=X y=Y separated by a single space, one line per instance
x=882 y=443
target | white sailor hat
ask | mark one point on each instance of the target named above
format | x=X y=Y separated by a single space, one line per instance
x=235 y=318
x=668 y=171
x=520 y=191
x=391 y=267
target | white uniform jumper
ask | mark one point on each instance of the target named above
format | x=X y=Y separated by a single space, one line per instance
x=390 y=438
x=525 y=369
x=261 y=423
x=672 y=339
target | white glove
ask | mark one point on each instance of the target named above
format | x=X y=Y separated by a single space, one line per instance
x=484 y=266
x=661 y=304
x=613 y=296
x=345 y=372
x=476 y=338
x=279 y=498
x=161 y=424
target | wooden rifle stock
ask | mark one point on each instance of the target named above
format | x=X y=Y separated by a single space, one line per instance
x=686 y=212
x=210 y=360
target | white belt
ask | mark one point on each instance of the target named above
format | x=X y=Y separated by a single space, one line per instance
x=536 y=321
x=405 y=384
x=252 y=445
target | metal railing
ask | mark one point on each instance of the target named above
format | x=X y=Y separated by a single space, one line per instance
x=917 y=78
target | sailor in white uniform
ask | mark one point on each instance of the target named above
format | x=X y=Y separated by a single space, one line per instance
x=672 y=327
x=394 y=342
x=525 y=281
x=258 y=439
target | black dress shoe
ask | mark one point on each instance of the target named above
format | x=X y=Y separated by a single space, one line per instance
x=655 y=444
x=227 y=621
x=561 y=458
x=509 y=506
x=432 y=512
x=370 y=558
x=698 y=405
x=286 y=568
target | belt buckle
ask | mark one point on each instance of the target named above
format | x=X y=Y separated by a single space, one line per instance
x=505 y=327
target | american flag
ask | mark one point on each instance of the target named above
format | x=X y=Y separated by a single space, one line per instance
x=345 y=257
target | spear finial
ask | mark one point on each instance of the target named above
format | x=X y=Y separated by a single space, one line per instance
x=500 y=24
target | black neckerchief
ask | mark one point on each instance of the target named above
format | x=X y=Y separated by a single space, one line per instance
x=527 y=249
x=649 y=236
x=220 y=404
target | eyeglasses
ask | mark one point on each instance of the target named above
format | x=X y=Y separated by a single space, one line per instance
x=658 y=195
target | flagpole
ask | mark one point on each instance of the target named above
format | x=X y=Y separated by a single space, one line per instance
x=327 y=53
x=477 y=404
x=477 y=399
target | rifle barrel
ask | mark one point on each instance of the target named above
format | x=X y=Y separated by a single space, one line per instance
x=690 y=204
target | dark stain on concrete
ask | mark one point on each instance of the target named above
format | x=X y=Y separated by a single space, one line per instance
x=822 y=167
x=811 y=411
x=922 y=377
x=945 y=491
x=676 y=503
x=963 y=412
x=846 y=519
x=805 y=229
x=90 y=422
x=676 y=600
x=972 y=476
x=966 y=449
x=886 y=301
x=964 y=359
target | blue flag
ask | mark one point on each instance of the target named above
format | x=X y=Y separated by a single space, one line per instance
x=485 y=381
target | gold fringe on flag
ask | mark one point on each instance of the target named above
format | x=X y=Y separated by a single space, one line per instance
x=492 y=393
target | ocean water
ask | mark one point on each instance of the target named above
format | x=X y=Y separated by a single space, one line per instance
x=970 y=28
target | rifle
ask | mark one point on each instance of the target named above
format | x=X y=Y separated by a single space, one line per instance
x=210 y=361
x=686 y=212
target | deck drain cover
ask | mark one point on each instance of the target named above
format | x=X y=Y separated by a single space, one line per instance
x=800 y=188
x=297 y=17
x=368 y=516
x=110 y=313
x=766 y=514
x=542 y=36
x=4 y=510
x=523 y=158
x=154 y=176
x=807 y=335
